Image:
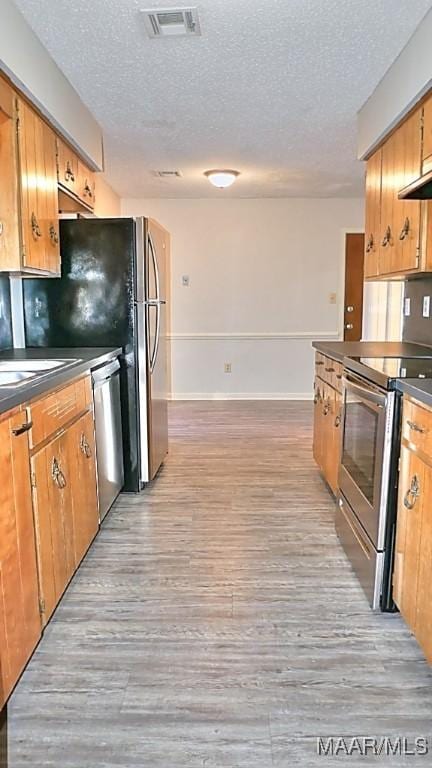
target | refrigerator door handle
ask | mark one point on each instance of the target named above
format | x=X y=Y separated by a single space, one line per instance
x=155 y=302
x=154 y=354
x=155 y=265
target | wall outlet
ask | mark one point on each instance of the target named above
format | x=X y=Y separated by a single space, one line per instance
x=426 y=306
x=227 y=368
x=185 y=281
x=332 y=298
x=407 y=307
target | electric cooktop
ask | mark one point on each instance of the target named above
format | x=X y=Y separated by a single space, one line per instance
x=385 y=371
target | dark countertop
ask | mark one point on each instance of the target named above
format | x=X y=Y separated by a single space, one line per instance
x=337 y=350
x=421 y=389
x=86 y=359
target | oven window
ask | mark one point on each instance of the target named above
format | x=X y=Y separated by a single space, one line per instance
x=360 y=443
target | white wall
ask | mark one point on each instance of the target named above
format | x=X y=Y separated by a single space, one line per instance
x=31 y=68
x=261 y=272
x=405 y=82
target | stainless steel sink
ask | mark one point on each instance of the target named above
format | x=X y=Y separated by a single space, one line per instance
x=15 y=378
x=35 y=365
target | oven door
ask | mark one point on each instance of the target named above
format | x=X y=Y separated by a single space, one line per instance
x=366 y=453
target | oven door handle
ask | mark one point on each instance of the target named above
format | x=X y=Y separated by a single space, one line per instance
x=366 y=394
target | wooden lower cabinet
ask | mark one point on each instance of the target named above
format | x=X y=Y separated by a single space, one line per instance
x=412 y=580
x=327 y=428
x=20 y=625
x=65 y=506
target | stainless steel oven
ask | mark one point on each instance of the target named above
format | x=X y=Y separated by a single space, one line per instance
x=366 y=482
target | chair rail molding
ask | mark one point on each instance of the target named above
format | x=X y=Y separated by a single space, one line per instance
x=253 y=336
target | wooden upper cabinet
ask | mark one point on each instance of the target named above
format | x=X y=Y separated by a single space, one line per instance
x=20 y=625
x=399 y=229
x=10 y=254
x=373 y=213
x=76 y=181
x=427 y=136
x=38 y=192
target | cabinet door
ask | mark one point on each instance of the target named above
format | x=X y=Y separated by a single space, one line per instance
x=427 y=136
x=406 y=221
x=317 y=427
x=20 y=625
x=38 y=192
x=10 y=258
x=408 y=534
x=373 y=212
x=30 y=169
x=67 y=167
x=335 y=441
x=387 y=232
x=86 y=185
x=423 y=622
x=81 y=459
x=52 y=496
x=51 y=224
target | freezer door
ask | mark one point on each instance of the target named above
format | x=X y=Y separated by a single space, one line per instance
x=152 y=315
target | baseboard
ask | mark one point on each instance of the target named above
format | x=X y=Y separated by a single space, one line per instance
x=242 y=396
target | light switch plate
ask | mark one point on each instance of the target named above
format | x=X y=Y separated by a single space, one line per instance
x=407 y=307
x=426 y=306
x=185 y=281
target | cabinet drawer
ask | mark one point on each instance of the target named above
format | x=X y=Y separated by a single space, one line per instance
x=319 y=364
x=53 y=411
x=417 y=426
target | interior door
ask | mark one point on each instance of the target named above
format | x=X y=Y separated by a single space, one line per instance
x=156 y=292
x=353 y=309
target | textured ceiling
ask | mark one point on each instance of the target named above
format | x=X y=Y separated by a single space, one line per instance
x=271 y=88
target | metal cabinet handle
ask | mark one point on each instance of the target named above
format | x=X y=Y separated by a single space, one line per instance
x=88 y=192
x=329 y=370
x=416 y=427
x=405 y=229
x=349 y=326
x=69 y=174
x=57 y=475
x=319 y=362
x=326 y=409
x=53 y=235
x=414 y=492
x=387 y=238
x=337 y=421
x=26 y=427
x=36 y=230
x=85 y=446
x=370 y=244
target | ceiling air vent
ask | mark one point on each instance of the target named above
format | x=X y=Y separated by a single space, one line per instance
x=168 y=174
x=170 y=22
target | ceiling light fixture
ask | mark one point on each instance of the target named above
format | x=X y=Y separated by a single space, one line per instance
x=222 y=179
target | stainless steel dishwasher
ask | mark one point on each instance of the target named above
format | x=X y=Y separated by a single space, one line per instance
x=109 y=442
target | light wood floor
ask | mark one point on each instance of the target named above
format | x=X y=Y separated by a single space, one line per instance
x=216 y=621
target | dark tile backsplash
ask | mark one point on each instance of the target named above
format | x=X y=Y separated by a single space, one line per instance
x=5 y=313
x=416 y=327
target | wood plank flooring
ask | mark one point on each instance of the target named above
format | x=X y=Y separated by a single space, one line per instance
x=216 y=621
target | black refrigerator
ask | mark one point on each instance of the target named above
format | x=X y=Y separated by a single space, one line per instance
x=112 y=293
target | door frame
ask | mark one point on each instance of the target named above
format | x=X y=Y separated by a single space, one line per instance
x=341 y=288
